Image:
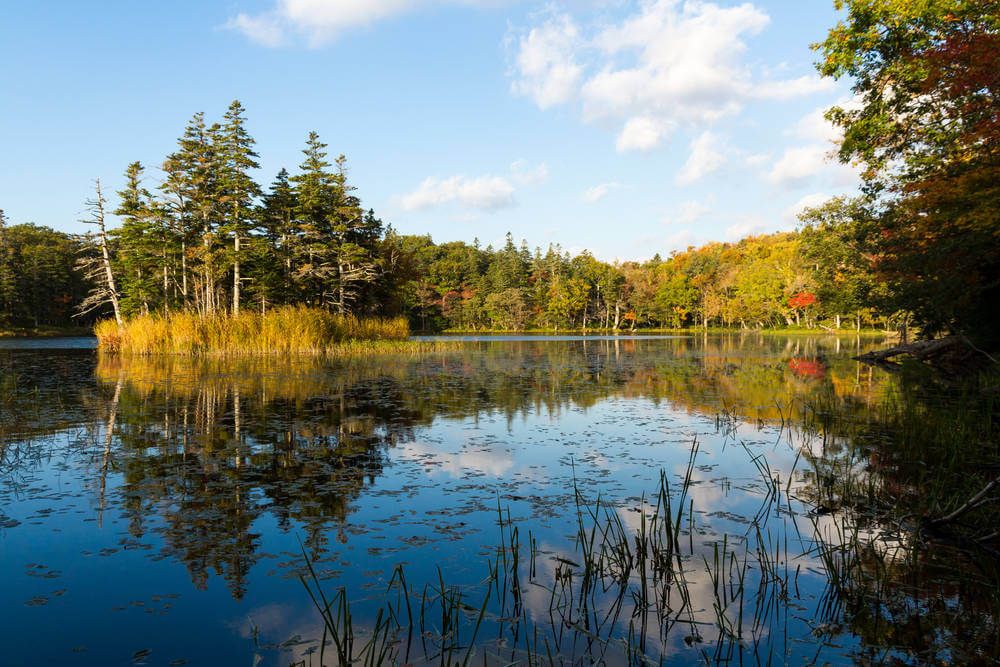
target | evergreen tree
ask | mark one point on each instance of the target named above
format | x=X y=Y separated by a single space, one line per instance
x=141 y=245
x=8 y=281
x=316 y=195
x=192 y=177
x=280 y=237
x=236 y=188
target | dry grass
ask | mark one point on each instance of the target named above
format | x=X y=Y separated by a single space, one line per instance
x=287 y=330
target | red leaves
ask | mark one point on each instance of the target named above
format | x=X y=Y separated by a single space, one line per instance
x=802 y=300
x=806 y=367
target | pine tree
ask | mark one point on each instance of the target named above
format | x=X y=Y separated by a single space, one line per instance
x=141 y=244
x=281 y=237
x=236 y=188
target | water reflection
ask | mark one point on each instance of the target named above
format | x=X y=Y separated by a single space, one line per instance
x=223 y=465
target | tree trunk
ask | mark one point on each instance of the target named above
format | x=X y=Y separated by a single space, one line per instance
x=166 y=284
x=340 y=287
x=184 y=272
x=207 y=271
x=236 y=274
x=145 y=301
x=106 y=255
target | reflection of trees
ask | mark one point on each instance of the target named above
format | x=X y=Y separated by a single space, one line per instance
x=209 y=445
x=930 y=592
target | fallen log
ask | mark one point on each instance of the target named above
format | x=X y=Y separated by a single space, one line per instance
x=952 y=354
x=921 y=349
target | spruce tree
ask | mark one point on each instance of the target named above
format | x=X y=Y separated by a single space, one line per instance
x=354 y=243
x=192 y=177
x=281 y=235
x=236 y=188
x=141 y=247
x=316 y=192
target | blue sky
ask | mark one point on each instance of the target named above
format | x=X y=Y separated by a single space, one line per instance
x=627 y=128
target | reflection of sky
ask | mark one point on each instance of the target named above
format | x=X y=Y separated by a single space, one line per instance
x=434 y=504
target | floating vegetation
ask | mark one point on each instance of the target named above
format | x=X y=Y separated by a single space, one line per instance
x=284 y=330
x=623 y=595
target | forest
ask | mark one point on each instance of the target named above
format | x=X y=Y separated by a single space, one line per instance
x=919 y=246
x=208 y=239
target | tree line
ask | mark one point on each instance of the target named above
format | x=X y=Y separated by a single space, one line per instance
x=920 y=245
x=207 y=238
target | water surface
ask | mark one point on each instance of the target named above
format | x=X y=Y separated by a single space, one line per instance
x=158 y=510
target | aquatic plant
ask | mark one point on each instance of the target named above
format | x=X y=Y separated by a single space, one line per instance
x=285 y=330
x=907 y=519
x=620 y=597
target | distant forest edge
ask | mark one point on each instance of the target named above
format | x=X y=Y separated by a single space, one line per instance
x=801 y=279
x=919 y=245
x=209 y=240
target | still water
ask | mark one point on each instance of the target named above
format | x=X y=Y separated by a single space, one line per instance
x=159 y=511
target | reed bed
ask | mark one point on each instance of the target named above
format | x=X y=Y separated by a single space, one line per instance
x=285 y=330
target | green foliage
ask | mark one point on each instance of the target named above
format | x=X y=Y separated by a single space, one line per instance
x=39 y=282
x=926 y=125
x=213 y=241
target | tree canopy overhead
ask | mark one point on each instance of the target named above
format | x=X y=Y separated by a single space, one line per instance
x=926 y=125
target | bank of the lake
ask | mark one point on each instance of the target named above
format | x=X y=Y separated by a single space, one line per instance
x=44 y=332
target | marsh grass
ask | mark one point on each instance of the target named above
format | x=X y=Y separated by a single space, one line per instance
x=908 y=515
x=626 y=588
x=622 y=596
x=285 y=330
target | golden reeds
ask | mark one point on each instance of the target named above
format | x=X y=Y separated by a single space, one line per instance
x=286 y=330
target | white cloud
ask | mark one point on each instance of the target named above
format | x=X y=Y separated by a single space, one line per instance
x=487 y=193
x=666 y=64
x=815 y=128
x=792 y=88
x=791 y=214
x=547 y=70
x=748 y=225
x=319 y=21
x=688 y=213
x=798 y=164
x=599 y=191
x=681 y=240
x=815 y=159
x=481 y=193
x=707 y=155
x=261 y=29
x=524 y=174
x=642 y=133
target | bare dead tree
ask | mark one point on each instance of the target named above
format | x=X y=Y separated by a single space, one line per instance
x=95 y=262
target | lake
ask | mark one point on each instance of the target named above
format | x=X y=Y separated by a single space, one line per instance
x=545 y=499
